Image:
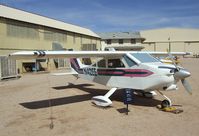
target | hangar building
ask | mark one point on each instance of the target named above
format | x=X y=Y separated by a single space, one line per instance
x=21 y=30
x=174 y=39
x=124 y=40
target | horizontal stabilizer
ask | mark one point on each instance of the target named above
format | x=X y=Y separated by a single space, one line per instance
x=66 y=73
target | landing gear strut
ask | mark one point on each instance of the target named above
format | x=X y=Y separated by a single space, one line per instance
x=165 y=103
x=104 y=101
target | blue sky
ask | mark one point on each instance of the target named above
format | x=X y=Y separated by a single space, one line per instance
x=116 y=15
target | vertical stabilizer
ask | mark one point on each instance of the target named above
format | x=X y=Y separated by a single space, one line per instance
x=77 y=65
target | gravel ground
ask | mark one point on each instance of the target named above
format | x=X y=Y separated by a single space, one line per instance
x=24 y=109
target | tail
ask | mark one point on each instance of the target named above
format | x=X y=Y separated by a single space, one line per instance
x=76 y=65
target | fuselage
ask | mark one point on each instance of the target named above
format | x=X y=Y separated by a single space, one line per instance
x=142 y=77
x=145 y=76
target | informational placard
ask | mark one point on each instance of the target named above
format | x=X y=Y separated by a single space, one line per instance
x=128 y=98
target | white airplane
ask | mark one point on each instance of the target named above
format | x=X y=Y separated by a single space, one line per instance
x=138 y=71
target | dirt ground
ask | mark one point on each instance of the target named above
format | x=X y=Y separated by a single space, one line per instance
x=24 y=109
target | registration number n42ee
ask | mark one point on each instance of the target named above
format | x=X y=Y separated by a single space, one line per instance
x=90 y=71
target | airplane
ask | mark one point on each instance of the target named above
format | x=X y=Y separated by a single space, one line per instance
x=139 y=71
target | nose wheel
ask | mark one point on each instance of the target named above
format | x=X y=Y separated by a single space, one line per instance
x=165 y=103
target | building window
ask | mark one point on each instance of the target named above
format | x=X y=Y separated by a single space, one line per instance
x=89 y=47
x=133 y=41
x=63 y=63
x=55 y=36
x=108 y=41
x=22 y=30
x=121 y=41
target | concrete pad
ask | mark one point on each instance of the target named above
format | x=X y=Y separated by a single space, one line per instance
x=24 y=108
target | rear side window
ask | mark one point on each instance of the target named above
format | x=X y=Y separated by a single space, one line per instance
x=129 y=61
x=101 y=63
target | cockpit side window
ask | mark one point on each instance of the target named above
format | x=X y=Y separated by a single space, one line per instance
x=129 y=61
x=115 y=63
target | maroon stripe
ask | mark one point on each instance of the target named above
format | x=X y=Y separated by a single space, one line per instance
x=126 y=72
x=148 y=73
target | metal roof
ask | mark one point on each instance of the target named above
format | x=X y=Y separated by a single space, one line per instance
x=16 y=14
x=120 y=35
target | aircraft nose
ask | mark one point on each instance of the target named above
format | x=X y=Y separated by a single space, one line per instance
x=182 y=74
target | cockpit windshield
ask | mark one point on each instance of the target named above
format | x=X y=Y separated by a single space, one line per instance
x=144 y=57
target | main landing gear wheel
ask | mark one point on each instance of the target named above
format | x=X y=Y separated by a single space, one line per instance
x=165 y=103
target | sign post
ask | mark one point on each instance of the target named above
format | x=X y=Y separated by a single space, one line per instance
x=128 y=98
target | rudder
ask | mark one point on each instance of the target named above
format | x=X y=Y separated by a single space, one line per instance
x=76 y=65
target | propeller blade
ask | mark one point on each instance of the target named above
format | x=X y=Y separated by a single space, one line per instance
x=187 y=86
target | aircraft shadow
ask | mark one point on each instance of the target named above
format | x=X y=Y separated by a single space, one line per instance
x=137 y=100
x=117 y=96
x=65 y=100
x=56 y=102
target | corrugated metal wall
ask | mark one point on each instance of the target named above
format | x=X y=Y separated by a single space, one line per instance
x=7 y=67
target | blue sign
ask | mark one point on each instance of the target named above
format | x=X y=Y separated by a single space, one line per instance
x=128 y=96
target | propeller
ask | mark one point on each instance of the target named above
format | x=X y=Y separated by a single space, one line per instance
x=181 y=74
x=187 y=86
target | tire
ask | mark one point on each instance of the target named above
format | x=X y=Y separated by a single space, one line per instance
x=165 y=104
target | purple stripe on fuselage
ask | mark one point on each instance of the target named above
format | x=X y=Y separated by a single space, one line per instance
x=125 y=72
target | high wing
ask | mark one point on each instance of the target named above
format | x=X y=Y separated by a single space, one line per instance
x=172 y=53
x=136 y=47
x=82 y=54
x=64 y=54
